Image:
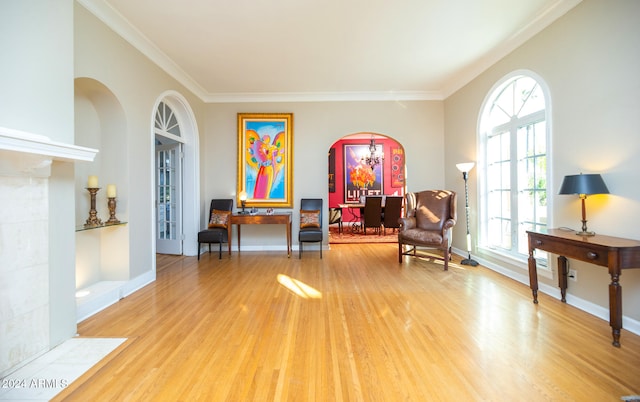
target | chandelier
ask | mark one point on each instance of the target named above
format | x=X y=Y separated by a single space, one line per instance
x=373 y=158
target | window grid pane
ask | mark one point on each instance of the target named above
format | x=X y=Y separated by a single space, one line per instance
x=166 y=189
x=507 y=218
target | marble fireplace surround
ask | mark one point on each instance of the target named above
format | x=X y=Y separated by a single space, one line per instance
x=25 y=168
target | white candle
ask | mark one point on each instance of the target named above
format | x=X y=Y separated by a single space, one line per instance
x=111 y=191
x=93 y=182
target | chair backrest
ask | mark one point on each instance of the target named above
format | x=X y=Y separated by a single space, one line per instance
x=392 y=211
x=433 y=208
x=312 y=204
x=373 y=211
x=335 y=215
x=221 y=204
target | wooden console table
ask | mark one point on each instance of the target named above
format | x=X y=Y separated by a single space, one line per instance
x=612 y=252
x=263 y=219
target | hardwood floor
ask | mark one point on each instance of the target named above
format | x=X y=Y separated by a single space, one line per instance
x=354 y=326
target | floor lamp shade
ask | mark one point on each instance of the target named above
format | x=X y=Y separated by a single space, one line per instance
x=583 y=185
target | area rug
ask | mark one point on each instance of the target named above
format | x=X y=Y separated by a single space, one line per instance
x=350 y=236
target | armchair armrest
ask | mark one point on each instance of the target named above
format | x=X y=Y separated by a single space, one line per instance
x=448 y=224
x=407 y=223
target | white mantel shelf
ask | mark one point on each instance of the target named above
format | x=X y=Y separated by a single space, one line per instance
x=21 y=141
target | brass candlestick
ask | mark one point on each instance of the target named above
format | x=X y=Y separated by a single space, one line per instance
x=93 y=219
x=112 y=212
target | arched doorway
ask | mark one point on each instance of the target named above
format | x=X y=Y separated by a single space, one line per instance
x=176 y=190
x=353 y=173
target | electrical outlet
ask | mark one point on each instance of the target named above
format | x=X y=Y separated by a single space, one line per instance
x=573 y=275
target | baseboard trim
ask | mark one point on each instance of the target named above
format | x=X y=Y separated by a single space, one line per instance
x=105 y=293
x=601 y=312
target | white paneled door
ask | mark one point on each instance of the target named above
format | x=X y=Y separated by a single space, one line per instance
x=169 y=198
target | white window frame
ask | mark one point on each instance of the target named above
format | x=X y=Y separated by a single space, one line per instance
x=512 y=256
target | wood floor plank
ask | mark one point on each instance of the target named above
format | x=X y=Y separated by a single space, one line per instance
x=354 y=326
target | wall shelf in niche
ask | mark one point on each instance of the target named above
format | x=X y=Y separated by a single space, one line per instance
x=82 y=228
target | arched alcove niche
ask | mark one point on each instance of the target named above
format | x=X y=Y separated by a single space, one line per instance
x=102 y=255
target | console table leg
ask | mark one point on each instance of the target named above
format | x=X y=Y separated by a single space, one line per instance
x=562 y=277
x=533 y=276
x=289 y=240
x=615 y=308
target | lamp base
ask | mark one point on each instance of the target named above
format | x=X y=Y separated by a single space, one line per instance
x=583 y=233
x=469 y=261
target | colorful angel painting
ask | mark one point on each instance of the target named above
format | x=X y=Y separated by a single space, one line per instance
x=265 y=160
x=265 y=147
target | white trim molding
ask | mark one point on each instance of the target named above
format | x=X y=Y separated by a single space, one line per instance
x=628 y=323
x=22 y=141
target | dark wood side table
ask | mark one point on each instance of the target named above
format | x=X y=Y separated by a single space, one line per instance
x=615 y=253
x=263 y=219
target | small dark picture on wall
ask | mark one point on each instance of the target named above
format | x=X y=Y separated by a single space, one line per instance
x=332 y=170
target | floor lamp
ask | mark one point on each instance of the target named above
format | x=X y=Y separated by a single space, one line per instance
x=465 y=168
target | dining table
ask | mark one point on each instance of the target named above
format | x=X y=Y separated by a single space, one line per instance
x=356 y=211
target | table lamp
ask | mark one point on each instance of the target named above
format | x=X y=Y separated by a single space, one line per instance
x=243 y=200
x=583 y=185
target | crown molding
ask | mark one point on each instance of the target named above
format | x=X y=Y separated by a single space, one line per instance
x=137 y=39
x=120 y=25
x=389 y=96
x=543 y=20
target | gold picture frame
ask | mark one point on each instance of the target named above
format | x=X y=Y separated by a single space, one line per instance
x=265 y=160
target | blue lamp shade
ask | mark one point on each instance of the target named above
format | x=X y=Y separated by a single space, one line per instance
x=583 y=184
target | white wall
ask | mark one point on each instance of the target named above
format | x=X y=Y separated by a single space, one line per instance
x=135 y=84
x=589 y=58
x=418 y=125
x=36 y=95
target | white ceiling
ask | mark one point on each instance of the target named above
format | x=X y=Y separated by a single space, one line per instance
x=297 y=50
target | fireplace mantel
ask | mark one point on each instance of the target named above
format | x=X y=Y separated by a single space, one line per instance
x=26 y=162
x=24 y=142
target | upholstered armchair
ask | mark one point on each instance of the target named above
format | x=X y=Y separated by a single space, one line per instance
x=430 y=215
x=219 y=226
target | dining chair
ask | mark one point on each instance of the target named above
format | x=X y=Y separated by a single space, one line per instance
x=392 y=213
x=335 y=216
x=372 y=215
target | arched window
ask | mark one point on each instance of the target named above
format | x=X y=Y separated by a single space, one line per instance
x=514 y=138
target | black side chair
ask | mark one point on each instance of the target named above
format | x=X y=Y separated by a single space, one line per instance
x=310 y=223
x=392 y=213
x=372 y=216
x=335 y=216
x=219 y=225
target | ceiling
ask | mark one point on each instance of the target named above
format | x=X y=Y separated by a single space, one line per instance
x=303 y=50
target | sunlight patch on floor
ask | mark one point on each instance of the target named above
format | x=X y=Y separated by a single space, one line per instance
x=299 y=288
